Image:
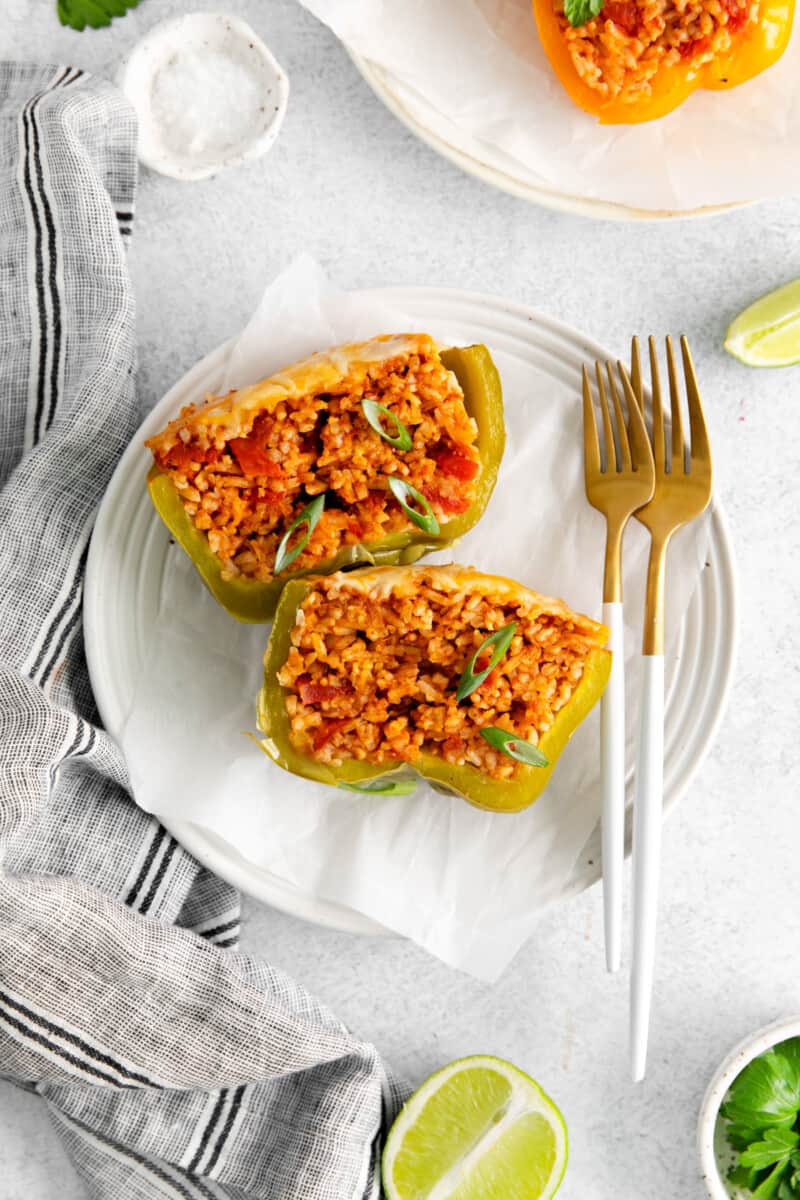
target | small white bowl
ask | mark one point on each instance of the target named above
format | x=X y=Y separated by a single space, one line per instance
x=715 y=1155
x=208 y=94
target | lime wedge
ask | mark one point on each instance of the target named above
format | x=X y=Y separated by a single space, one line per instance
x=477 y=1130
x=767 y=334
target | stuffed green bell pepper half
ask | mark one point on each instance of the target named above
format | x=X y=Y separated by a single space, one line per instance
x=471 y=681
x=376 y=452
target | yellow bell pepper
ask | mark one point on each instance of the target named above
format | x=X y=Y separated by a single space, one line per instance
x=755 y=47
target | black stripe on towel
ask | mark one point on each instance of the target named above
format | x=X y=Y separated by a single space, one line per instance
x=208 y=1131
x=233 y=1110
x=158 y=840
x=99 y=1056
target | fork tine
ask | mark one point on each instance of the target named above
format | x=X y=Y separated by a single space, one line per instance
x=622 y=429
x=608 y=429
x=700 y=453
x=591 y=446
x=678 y=445
x=637 y=430
x=659 y=452
x=636 y=374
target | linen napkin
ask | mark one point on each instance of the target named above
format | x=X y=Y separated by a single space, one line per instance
x=171 y=1064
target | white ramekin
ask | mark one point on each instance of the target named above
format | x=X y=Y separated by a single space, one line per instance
x=707 y=1141
x=203 y=32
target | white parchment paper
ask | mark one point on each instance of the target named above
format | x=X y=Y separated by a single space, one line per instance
x=465 y=884
x=475 y=73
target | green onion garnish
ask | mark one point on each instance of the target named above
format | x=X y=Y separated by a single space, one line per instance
x=501 y=640
x=374 y=411
x=514 y=747
x=382 y=787
x=308 y=517
x=425 y=519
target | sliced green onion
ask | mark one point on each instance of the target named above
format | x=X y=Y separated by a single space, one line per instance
x=308 y=517
x=382 y=787
x=425 y=519
x=374 y=411
x=514 y=747
x=501 y=640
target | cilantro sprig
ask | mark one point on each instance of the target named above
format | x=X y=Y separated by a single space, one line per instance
x=762 y=1109
x=578 y=12
x=95 y=13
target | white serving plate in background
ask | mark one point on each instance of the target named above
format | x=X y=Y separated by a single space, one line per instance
x=492 y=166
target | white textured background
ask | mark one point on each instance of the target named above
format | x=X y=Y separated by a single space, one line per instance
x=347 y=182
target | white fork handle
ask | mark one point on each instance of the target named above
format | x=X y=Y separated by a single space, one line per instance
x=612 y=759
x=647 y=818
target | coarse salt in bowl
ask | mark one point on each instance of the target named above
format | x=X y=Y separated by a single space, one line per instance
x=208 y=93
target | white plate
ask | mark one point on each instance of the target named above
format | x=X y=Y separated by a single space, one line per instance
x=129 y=549
x=492 y=166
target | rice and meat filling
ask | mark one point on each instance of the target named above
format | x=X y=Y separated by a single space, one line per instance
x=372 y=673
x=620 y=52
x=244 y=491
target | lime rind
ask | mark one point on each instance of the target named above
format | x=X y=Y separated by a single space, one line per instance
x=767 y=333
x=526 y=1100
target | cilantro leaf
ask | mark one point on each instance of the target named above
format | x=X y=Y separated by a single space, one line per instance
x=769 y=1186
x=744 y=1177
x=789 y=1187
x=764 y=1095
x=775 y=1146
x=578 y=12
x=77 y=14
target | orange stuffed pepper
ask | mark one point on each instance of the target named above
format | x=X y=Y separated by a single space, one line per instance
x=627 y=61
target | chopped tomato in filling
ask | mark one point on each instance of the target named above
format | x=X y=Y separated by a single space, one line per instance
x=737 y=14
x=318 y=693
x=327 y=731
x=450 y=462
x=624 y=14
x=253 y=460
x=448 y=504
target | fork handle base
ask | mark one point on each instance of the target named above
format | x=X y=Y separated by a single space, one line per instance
x=612 y=760
x=647 y=820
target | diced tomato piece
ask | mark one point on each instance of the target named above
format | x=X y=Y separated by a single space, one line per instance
x=737 y=14
x=318 y=693
x=624 y=14
x=453 y=745
x=181 y=455
x=451 y=462
x=450 y=504
x=256 y=495
x=694 y=49
x=252 y=460
x=326 y=731
x=355 y=527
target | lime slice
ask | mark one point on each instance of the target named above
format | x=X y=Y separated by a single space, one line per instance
x=477 y=1130
x=767 y=334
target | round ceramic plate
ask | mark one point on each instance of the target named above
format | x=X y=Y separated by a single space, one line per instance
x=492 y=166
x=129 y=550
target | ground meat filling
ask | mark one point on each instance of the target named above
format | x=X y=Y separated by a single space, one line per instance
x=620 y=52
x=244 y=492
x=372 y=675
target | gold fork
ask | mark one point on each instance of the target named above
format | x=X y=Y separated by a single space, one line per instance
x=682 y=492
x=618 y=481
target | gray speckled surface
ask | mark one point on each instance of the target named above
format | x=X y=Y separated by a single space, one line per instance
x=347 y=182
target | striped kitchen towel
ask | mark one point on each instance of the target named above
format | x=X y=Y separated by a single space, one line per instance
x=171 y=1064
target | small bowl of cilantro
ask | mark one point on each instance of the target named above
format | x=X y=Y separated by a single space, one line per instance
x=749 y=1133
